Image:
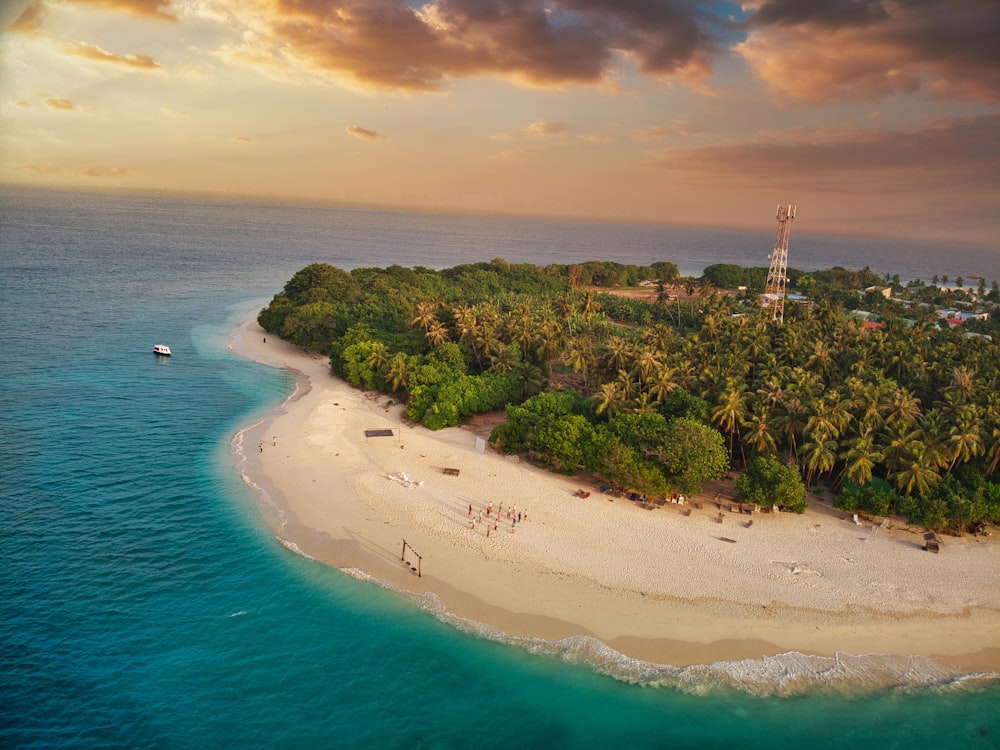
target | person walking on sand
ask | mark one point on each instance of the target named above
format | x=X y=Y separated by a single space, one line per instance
x=470 y=509
x=260 y=447
x=274 y=440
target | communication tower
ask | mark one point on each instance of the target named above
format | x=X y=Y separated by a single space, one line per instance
x=774 y=290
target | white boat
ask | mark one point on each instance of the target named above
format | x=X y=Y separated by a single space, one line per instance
x=161 y=349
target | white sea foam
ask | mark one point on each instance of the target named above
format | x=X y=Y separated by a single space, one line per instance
x=264 y=499
x=786 y=674
x=293 y=547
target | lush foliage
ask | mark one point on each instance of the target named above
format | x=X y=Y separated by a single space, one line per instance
x=875 y=497
x=646 y=452
x=767 y=481
x=913 y=402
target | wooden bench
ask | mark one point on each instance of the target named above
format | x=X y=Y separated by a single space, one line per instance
x=452 y=472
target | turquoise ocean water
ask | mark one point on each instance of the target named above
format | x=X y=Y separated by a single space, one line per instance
x=143 y=602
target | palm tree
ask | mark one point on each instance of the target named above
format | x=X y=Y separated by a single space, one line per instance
x=819 y=457
x=378 y=357
x=662 y=384
x=760 y=430
x=400 y=368
x=771 y=390
x=426 y=315
x=821 y=360
x=820 y=425
x=616 y=354
x=731 y=410
x=468 y=329
x=644 y=404
x=965 y=440
x=914 y=473
x=895 y=440
x=549 y=341
x=580 y=356
x=860 y=459
x=963 y=383
x=662 y=296
x=532 y=379
x=791 y=420
x=991 y=431
x=935 y=431
x=589 y=306
x=904 y=407
x=870 y=418
x=437 y=333
x=503 y=359
x=659 y=337
x=611 y=399
x=565 y=309
x=627 y=385
x=647 y=361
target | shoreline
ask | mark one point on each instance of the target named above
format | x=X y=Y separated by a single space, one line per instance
x=664 y=590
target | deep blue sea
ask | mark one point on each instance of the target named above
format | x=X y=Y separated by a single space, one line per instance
x=143 y=603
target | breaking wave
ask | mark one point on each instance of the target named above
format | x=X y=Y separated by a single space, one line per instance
x=787 y=674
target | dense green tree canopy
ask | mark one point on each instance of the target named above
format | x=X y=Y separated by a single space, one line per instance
x=642 y=389
x=767 y=481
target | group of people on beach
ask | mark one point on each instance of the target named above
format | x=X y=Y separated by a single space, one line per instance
x=492 y=520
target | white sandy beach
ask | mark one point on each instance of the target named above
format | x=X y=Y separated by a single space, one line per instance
x=656 y=585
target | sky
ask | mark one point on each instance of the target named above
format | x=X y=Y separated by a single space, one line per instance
x=875 y=117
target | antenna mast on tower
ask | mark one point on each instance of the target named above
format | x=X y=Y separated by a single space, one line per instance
x=774 y=291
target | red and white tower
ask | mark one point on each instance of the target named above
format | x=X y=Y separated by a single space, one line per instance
x=774 y=290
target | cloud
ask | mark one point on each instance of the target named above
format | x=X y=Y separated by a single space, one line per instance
x=147 y=8
x=49 y=170
x=513 y=154
x=830 y=51
x=40 y=169
x=104 y=172
x=93 y=52
x=359 y=132
x=25 y=20
x=242 y=139
x=673 y=129
x=397 y=44
x=819 y=12
x=545 y=128
x=62 y=104
x=964 y=151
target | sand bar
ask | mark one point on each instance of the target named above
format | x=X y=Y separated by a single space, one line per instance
x=656 y=585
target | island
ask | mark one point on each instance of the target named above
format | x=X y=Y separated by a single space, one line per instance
x=615 y=464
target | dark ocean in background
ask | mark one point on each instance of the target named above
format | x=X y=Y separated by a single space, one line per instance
x=144 y=604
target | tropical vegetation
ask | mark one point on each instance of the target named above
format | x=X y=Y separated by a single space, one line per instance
x=661 y=391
